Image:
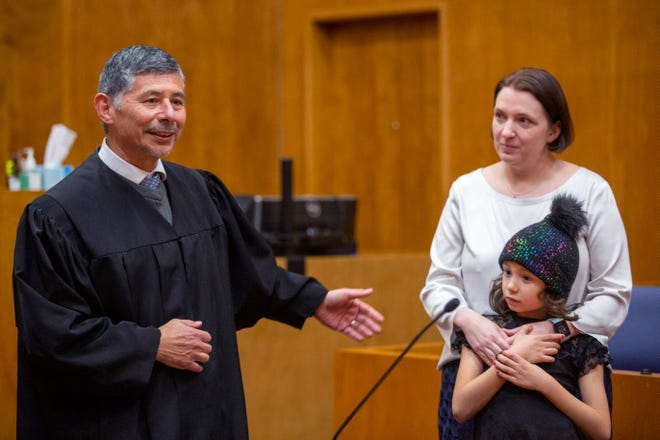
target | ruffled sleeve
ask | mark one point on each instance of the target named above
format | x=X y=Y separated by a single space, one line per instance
x=593 y=353
x=585 y=352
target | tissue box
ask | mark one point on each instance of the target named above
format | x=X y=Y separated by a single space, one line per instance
x=51 y=176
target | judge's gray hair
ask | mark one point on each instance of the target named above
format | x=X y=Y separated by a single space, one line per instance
x=119 y=72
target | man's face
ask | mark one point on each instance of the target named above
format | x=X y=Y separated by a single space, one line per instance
x=149 y=120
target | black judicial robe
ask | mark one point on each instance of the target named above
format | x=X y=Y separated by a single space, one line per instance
x=97 y=270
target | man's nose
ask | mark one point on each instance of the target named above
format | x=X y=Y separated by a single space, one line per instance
x=166 y=110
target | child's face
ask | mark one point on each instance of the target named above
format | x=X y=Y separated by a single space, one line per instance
x=523 y=292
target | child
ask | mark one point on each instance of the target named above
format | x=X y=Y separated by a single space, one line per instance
x=514 y=398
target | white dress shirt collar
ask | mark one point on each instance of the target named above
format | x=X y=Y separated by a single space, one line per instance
x=125 y=169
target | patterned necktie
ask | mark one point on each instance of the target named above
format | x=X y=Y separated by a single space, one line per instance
x=152 y=181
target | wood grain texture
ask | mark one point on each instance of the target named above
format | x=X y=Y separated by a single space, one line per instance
x=373 y=123
x=322 y=81
x=404 y=406
x=11 y=208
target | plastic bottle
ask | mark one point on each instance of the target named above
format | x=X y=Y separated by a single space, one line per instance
x=13 y=184
x=30 y=177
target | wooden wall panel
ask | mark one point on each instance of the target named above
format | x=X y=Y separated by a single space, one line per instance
x=245 y=64
x=30 y=93
x=11 y=207
x=373 y=111
x=603 y=53
x=57 y=51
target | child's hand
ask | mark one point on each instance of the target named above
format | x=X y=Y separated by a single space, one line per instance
x=513 y=368
x=536 y=348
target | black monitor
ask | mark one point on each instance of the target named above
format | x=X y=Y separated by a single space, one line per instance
x=320 y=225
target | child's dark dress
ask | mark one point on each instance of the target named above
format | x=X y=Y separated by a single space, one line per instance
x=517 y=413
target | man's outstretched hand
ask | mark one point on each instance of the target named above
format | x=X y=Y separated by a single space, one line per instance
x=343 y=311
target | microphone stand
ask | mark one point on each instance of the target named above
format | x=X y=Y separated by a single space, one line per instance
x=451 y=305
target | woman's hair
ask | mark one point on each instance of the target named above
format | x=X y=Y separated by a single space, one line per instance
x=556 y=307
x=546 y=89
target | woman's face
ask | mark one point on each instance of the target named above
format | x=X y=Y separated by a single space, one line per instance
x=521 y=128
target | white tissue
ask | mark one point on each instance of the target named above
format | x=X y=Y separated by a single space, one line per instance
x=58 y=146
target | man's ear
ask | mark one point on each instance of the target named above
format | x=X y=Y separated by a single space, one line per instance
x=104 y=107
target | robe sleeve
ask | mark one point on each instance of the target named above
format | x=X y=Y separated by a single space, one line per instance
x=59 y=316
x=260 y=287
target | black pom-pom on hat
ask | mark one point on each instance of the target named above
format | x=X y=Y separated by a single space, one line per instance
x=548 y=248
x=567 y=215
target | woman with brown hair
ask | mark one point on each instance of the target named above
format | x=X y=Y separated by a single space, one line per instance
x=531 y=125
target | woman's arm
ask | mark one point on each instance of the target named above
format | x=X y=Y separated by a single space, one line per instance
x=474 y=386
x=541 y=328
x=605 y=302
x=486 y=339
x=445 y=282
x=592 y=415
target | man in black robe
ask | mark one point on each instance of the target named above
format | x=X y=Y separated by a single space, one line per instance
x=129 y=291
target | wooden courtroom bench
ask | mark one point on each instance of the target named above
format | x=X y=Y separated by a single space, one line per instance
x=405 y=405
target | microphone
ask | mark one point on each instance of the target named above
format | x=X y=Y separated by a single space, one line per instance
x=449 y=307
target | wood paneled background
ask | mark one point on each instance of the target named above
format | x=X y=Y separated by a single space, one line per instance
x=388 y=100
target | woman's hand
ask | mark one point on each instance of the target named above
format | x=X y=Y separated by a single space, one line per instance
x=535 y=348
x=484 y=336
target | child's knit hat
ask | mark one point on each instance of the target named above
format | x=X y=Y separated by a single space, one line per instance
x=548 y=248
